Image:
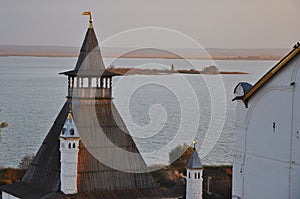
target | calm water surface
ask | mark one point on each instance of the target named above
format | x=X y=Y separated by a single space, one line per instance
x=32 y=93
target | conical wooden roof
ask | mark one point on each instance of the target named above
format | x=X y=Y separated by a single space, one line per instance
x=95 y=179
x=44 y=172
x=90 y=61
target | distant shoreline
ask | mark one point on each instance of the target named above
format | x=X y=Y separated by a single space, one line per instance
x=138 y=71
x=148 y=53
x=2 y=54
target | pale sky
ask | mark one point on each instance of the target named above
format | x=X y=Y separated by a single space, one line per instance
x=212 y=23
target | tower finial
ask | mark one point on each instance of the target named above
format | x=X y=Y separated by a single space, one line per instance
x=70 y=116
x=194 y=143
x=91 y=19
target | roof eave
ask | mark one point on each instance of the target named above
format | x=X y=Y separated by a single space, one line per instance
x=74 y=73
x=270 y=74
x=194 y=168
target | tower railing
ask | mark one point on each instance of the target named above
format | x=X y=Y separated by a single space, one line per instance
x=92 y=88
x=93 y=93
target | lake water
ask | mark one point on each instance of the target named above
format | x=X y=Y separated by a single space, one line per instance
x=160 y=111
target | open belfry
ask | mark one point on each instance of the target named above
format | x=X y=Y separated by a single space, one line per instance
x=88 y=152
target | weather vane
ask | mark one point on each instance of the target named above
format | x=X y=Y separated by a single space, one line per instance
x=91 y=19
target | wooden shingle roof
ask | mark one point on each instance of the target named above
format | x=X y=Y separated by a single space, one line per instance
x=89 y=62
x=44 y=172
x=27 y=191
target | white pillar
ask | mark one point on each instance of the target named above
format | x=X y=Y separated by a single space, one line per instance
x=69 y=148
x=194 y=171
x=194 y=183
x=69 y=160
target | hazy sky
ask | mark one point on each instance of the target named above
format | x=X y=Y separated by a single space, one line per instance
x=213 y=23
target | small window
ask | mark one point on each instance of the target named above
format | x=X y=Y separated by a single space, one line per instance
x=72 y=131
x=74 y=145
x=195 y=175
x=198 y=175
x=63 y=131
x=189 y=175
x=209 y=181
x=69 y=145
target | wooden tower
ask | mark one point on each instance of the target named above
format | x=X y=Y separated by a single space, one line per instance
x=103 y=135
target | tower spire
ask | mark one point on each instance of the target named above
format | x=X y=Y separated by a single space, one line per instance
x=91 y=19
x=70 y=114
x=194 y=171
x=90 y=67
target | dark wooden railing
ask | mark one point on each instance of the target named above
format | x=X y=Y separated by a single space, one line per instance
x=93 y=93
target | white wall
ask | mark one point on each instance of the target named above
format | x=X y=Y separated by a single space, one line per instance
x=295 y=166
x=8 y=196
x=237 y=178
x=69 y=161
x=194 y=184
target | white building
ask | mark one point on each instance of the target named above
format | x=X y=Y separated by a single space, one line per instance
x=69 y=147
x=267 y=158
x=194 y=172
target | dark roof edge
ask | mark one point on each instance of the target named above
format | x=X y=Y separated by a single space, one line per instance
x=21 y=189
x=75 y=73
x=237 y=98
